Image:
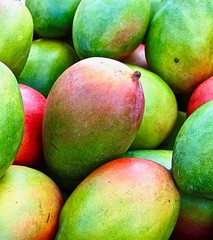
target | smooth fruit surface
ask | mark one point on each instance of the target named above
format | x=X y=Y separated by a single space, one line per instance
x=155 y=4
x=30 y=151
x=174 y=50
x=16 y=31
x=127 y=198
x=160 y=112
x=168 y=143
x=163 y=157
x=192 y=161
x=108 y=29
x=11 y=118
x=51 y=18
x=30 y=203
x=195 y=219
x=47 y=60
x=137 y=57
x=202 y=94
x=92 y=114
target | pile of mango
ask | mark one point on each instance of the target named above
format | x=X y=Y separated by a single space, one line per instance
x=106 y=119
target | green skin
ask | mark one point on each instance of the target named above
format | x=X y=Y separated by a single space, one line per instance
x=174 y=49
x=11 y=118
x=195 y=219
x=155 y=4
x=16 y=34
x=160 y=111
x=163 y=157
x=192 y=161
x=51 y=18
x=30 y=204
x=92 y=115
x=168 y=143
x=108 y=29
x=128 y=198
x=47 y=60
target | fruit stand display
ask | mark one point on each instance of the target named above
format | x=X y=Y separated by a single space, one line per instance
x=106 y=120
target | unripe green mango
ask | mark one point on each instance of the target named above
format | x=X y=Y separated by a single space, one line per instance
x=11 y=118
x=160 y=112
x=161 y=156
x=16 y=31
x=192 y=160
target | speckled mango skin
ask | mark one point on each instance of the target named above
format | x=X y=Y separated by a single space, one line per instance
x=109 y=29
x=92 y=115
x=11 y=118
x=30 y=203
x=124 y=199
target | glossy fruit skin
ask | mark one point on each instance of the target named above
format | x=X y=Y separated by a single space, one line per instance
x=11 y=118
x=122 y=199
x=30 y=204
x=107 y=29
x=174 y=50
x=16 y=34
x=137 y=57
x=51 y=18
x=192 y=161
x=47 y=60
x=92 y=114
x=160 y=156
x=202 y=94
x=155 y=4
x=168 y=143
x=195 y=219
x=160 y=112
x=31 y=151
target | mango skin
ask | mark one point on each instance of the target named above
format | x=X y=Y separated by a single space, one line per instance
x=11 y=118
x=92 y=115
x=160 y=112
x=30 y=203
x=16 y=31
x=47 y=60
x=174 y=49
x=127 y=198
x=168 y=143
x=195 y=219
x=52 y=19
x=160 y=156
x=192 y=160
x=108 y=29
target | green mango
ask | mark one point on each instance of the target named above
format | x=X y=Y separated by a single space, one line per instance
x=160 y=112
x=168 y=143
x=109 y=28
x=52 y=19
x=192 y=160
x=163 y=157
x=179 y=43
x=11 y=118
x=48 y=59
x=16 y=31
